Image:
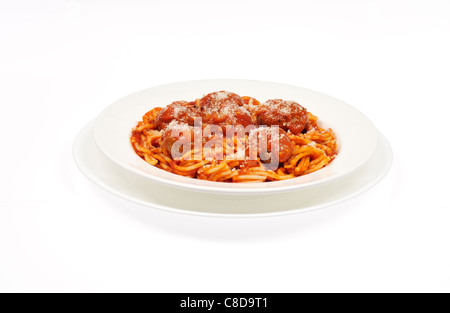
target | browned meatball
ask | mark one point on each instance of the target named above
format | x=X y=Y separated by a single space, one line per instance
x=218 y=99
x=224 y=108
x=177 y=132
x=267 y=146
x=289 y=115
x=181 y=111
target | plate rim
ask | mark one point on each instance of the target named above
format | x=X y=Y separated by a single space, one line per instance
x=76 y=152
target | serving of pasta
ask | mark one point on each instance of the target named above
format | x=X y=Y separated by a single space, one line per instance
x=224 y=137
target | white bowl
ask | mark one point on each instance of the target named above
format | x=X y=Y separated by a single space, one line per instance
x=357 y=137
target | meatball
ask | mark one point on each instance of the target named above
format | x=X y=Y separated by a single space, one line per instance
x=180 y=111
x=224 y=108
x=289 y=115
x=180 y=133
x=267 y=147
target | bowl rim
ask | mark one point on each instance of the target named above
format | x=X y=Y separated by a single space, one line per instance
x=173 y=180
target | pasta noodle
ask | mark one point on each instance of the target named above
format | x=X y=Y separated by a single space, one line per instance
x=229 y=160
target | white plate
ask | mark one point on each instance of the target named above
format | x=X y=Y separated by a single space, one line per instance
x=134 y=188
x=357 y=137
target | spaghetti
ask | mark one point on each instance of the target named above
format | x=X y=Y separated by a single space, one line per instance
x=275 y=140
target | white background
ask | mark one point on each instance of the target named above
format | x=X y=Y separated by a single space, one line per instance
x=63 y=62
